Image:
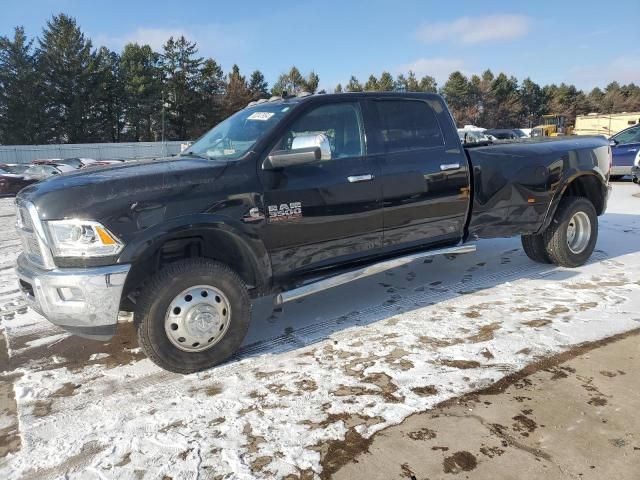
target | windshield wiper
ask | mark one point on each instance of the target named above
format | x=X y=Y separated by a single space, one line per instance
x=193 y=154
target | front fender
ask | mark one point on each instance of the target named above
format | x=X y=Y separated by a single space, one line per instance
x=221 y=235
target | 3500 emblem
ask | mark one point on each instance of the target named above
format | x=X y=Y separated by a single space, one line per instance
x=285 y=211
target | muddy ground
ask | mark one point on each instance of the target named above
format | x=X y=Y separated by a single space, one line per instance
x=573 y=415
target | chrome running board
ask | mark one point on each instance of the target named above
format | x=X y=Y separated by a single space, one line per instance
x=367 y=271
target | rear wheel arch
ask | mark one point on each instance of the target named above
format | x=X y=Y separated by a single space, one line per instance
x=588 y=185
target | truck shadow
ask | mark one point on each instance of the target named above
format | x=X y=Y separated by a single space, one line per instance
x=415 y=286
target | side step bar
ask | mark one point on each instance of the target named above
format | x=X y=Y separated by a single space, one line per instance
x=367 y=271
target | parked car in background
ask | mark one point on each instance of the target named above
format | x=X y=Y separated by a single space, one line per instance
x=472 y=136
x=505 y=133
x=41 y=172
x=12 y=178
x=74 y=162
x=526 y=132
x=625 y=147
x=105 y=163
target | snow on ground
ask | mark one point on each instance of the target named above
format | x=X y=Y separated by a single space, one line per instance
x=341 y=364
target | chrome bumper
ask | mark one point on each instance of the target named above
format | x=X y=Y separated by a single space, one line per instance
x=84 y=301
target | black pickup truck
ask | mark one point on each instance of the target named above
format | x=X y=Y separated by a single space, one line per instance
x=287 y=197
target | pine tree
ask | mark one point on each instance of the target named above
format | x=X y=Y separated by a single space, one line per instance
x=181 y=74
x=428 y=84
x=20 y=91
x=386 y=83
x=65 y=63
x=338 y=88
x=412 y=84
x=532 y=101
x=372 y=84
x=237 y=94
x=141 y=80
x=456 y=93
x=293 y=83
x=354 y=85
x=211 y=94
x=258 y=86
x=508 y=106
x=105 y=122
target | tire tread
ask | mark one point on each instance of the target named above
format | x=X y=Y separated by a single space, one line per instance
x=148 y=297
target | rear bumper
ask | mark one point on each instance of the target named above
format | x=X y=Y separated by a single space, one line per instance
x=84 y=301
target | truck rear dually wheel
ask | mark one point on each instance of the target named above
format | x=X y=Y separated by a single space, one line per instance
x=534 y=247
x=192 y=315
x=572 y=235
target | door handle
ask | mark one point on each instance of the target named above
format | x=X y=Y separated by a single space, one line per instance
x=449 y=166
x=360 y=178
x=632 y=150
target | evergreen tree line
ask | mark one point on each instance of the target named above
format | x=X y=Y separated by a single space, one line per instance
x=500 y=101
x=58 y=88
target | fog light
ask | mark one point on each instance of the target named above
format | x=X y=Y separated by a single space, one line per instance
x=70 y=294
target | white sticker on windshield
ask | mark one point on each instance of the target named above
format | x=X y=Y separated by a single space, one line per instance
x=260 y=116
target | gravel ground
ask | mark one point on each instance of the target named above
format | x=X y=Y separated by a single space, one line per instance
x=313 y=382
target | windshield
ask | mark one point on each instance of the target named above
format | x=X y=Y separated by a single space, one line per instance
x=235 y=136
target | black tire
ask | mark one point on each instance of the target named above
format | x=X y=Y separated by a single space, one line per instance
x=555 y=236
x=534 y=247
x=158 y=293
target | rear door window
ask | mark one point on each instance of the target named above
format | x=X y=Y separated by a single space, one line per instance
x=630 y=136
x=408 y=125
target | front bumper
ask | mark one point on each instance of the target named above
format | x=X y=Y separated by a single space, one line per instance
x=84 y=301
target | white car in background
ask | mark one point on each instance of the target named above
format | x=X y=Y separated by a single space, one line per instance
x=468 y=135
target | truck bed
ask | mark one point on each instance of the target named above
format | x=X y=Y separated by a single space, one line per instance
x=514 y=184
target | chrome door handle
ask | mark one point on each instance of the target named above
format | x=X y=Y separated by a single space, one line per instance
x=449 y=166
x=360 y=178
x=632 y=150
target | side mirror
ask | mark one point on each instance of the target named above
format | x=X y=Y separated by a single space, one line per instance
x=288 y=158
x=613 y=142
x=304 y=149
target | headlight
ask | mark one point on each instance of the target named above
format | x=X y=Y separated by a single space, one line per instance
x=81 y=238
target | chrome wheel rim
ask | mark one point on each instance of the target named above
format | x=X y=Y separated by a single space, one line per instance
x=578 y=232
x=197 y=318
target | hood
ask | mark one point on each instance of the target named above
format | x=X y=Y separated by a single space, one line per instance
x=110 y=188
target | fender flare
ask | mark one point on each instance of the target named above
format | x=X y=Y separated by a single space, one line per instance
x=566 y=182
x=232 y=234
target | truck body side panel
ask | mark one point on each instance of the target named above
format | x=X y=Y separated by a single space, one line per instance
x=516 y=186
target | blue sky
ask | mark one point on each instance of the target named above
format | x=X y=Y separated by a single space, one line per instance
x=549 y=41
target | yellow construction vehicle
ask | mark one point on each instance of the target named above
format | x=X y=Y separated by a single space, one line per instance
x=553 y=125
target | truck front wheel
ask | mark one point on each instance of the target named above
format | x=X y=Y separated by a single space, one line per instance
x=192 y=315
x=572 y=235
